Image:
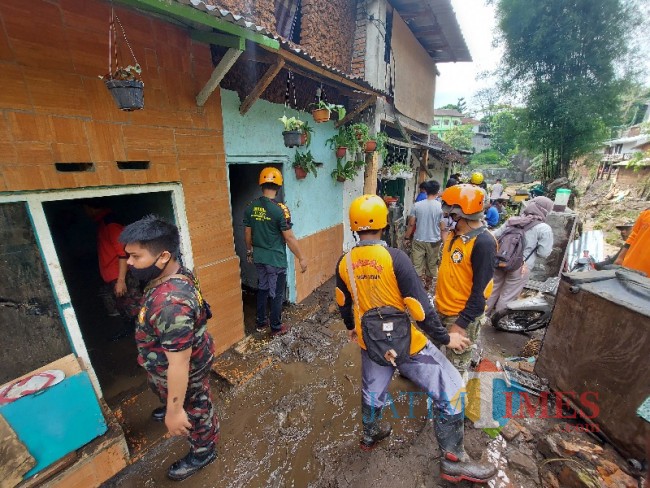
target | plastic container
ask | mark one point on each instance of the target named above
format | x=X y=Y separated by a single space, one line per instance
x=561 y=199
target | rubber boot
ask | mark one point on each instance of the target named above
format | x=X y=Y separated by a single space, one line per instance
x=373 y=430
x=456 y=465
x=191 y=463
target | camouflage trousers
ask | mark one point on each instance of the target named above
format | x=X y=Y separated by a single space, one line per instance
x=463 y=360
x=200 y=410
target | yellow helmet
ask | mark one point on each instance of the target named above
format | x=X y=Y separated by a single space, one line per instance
x=271 y=175
x=476 y=178
x=368 y=212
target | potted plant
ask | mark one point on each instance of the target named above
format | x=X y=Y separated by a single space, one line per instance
x=342 y=142
x=377 y=143
x=361 y=132
x=292 y=131
x=345 y=171
x=304 y=163
x=126 y=87
x=323 y=109
x=401 y=170
x=307 y=133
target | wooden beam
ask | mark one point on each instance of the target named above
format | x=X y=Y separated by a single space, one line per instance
x=370 y=176
x=262 y=84
x=295 y=60
x=218 y=73
x=223 y=40
x=370 y=101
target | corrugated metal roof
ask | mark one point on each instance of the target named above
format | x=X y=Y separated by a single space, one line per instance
x=284 y=43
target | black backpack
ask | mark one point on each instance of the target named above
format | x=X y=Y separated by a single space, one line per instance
x=510 y=248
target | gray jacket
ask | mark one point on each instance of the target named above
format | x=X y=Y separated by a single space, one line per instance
x=541 y=236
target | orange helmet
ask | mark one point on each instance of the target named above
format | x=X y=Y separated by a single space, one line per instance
x=271 y=175
x=464 y=200
x=368 y=212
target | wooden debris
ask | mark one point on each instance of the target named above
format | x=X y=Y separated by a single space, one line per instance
x=15 y=459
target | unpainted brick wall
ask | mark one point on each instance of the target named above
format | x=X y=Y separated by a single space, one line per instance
x=54 y=108
x=359 y=46
x=328 y=30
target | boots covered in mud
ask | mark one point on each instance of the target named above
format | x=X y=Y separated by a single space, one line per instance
x=456 y=465
x=373 y=430
x=191 y=463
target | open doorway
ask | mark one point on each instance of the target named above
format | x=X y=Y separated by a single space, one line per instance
x=74 y=234
x=244 y=187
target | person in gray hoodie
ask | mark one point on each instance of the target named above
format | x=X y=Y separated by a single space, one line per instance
x=538 y=239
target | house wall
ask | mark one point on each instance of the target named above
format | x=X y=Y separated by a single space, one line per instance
x=631 y=176
x=54 y=108
x=316 y=204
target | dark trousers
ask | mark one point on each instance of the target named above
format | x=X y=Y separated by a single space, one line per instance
x=276 y=296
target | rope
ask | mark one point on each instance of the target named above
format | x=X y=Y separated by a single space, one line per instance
x=125 y=40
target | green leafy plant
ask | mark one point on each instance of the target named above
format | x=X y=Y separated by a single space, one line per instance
x=340 y=109
x=306 y=162
x=308 y=130
x=400 y=168
x=128 y=73
x=381 y=138
x=344 y=138
x=291 y=123
x=361 y=132
x=345 y=171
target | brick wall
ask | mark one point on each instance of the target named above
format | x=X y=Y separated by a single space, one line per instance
x=632 y=177
x=54 y=108
x=359 y=46
x=328 y=28
x=322 y=250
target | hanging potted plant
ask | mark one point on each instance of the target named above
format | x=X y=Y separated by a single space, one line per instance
x=401 y=170
x=292 y=131
x=323 y=109
x=345 y=171
x=361 y=132
x=342 y=142
x=304 y=163
x=307 y=133
x=124 y=84
x=380 y=139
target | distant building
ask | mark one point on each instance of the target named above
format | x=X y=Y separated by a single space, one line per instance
x=444 y=120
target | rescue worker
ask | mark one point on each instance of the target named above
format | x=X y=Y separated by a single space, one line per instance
x=466 y=270
x=373 y=279
x=268 y=229
x=477 y=179
x=634 y=253
x=174 y=346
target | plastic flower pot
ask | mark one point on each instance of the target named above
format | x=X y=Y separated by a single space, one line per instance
x=301 y=174
x=370 y=146
x=340 y=179
x=292 y=138
x=341 y=151
x=320 y=115
x=128 y=94
x=303 y=138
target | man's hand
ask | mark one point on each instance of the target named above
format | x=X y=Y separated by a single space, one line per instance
x=120 y=288
x=177 y=422
x=303 y=265
x=352 y=335
x=458 y=342
x=249 y=256
x=457 y=329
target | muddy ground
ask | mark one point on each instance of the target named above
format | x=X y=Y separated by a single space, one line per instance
x=296 y=423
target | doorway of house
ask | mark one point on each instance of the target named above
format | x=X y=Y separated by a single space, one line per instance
x=244 y=187
x=75 y=239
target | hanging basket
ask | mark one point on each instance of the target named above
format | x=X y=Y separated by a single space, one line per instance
x=341 y=179
x=320 y=115
x=301 y=174
x=292 y=138
x=370 y=146
x=128 y=94
x=341 y=151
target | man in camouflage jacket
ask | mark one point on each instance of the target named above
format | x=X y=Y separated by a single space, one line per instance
x=174 y=346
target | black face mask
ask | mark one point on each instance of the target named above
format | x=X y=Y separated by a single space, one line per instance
x=149 y=273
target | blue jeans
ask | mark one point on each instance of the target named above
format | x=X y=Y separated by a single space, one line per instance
x=272 y=282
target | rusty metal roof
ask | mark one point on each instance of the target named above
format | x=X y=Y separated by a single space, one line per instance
x=434 y=24
x=239 y=20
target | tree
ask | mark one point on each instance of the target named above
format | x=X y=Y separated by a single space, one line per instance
x=560 y=57
x=460 y=105
x=504 y=130
x=459 y=137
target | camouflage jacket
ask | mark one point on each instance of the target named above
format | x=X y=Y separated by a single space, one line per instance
x=173 y=318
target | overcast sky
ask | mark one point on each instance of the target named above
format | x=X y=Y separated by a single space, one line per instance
x=459 y=79
x=477 y=23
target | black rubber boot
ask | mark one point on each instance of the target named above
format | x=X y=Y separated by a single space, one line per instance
x=373 y=430
x=456 y=465
x=158 y=414
x=190 y=464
